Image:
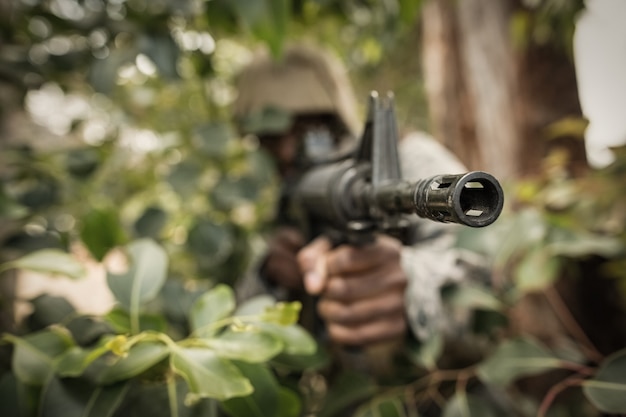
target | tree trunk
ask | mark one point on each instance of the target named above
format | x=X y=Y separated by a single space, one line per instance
x=489 y=101
x=448 y=99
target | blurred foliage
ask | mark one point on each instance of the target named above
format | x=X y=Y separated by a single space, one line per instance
x=129 y=145
x=93 y=378
x=543 y=22
x=555 y=220
x=557 y=226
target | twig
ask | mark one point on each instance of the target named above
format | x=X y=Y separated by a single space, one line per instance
x=567 y=319
x=437 y=397
x=411 y=404
x=461 y=382
x=571 y=381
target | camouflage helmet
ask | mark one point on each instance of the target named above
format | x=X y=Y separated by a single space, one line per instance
x=303 y=81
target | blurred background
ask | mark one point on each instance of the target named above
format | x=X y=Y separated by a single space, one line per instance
x=115 y=125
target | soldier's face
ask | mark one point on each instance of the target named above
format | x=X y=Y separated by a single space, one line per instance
x=284 y=149
x=306 y=143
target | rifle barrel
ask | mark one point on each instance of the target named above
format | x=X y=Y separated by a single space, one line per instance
x=473 y=199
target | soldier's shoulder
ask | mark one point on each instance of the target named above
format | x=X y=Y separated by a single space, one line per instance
x=421 y=151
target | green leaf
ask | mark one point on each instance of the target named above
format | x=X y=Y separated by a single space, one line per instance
x=317 y=360
x=520 y=29
x=514 y=359
x=10 y=209
x=143 y=280
x=387 y=407
x=296 y=339
x=263 y=401
x=76 y=359
x=103 y=73
x=578 y=245
x=211 y=243
x=268 y=398
x=88 y=330
x=151 y=222
x=427 y=353
x=82 y=162
x=208 y=375
x=212 y=306
x=9 y=400
x=155 y=397
x=607 y=389
x=27 y=398
x=162 y=50
x=228 y=193
x=573 y=126
x=48 y=310
x=267 y=19
x=75 y=398
x=178 y=298
x=537 y=270
x=409 y=10
x=247 y=345
x=289 y=403
x=347 y=389
x=527 y=229
x=40 y=194
x=212 y=139
x=262 y=169
x=140 y=357
x=472 y=296
x=34 y=355
x=183 y=177
x=283 y=313
x=463 y=405
x=255 y=305
x=101 y=231
x=50 y=261
x=120 y=321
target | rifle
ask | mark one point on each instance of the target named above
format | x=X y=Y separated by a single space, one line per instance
x=352 y=198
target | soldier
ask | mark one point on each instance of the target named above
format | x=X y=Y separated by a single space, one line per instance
x=302 y=108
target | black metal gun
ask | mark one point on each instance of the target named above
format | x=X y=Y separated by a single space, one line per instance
x=352 y=198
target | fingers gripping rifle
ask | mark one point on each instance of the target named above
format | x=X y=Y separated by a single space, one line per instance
x=353 y=198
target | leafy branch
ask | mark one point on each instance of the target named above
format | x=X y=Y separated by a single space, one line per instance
x=225 y=349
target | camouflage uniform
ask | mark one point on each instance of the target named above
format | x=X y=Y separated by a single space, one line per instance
x=431 y=261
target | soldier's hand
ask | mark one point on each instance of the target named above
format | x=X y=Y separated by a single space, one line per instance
x=361 y=289
x=281 y=266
